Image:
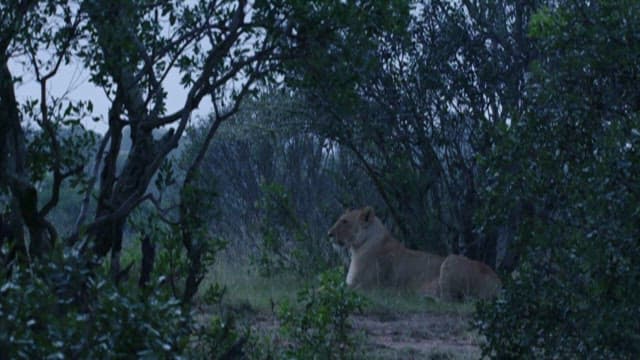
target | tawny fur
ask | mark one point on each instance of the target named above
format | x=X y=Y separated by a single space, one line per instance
x=378 y=260
x=462 y=278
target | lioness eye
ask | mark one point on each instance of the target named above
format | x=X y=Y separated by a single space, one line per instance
x=344 y=221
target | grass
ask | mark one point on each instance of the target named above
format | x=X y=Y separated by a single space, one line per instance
x=402 y=354
x=386 y=301
x=392 y=325
x=244 y=286
x=399 y=317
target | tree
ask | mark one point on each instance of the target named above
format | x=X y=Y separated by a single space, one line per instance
x=221 y=49
x=422 y=103
x=279 y=184
x=573 y=159
x=130 y=48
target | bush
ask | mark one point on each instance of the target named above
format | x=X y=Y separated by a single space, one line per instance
x=218 y=339
x=64 y=308
x=286 y=243
x=563 y=311
x=61 y=309
x=321 y=330
x=571 y=167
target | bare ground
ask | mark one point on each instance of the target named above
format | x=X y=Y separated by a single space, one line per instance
x=428 y=335
x=393 y=326
x=418 y=336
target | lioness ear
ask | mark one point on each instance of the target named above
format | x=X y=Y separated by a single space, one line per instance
x=367 y=214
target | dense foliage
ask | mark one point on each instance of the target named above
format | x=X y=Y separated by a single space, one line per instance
x=322 y=330
x=570 y=167
x=505 y=130
x=280 y=185
x=221 y=51
x=422 y=108
x=62 y=310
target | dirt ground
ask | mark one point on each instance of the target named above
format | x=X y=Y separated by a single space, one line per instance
x=391 y=326
x=418 y=336
x=427 y=335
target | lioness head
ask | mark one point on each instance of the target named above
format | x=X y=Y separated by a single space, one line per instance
x=345 y=232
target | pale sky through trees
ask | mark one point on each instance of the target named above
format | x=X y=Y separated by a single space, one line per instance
x=72 y=80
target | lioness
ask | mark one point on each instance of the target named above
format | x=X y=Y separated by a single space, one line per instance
x=378 y=259
x=462 y=278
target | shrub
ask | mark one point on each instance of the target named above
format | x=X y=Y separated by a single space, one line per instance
x=570 y=168
x=286 y=243
x=61 y=309
x=317 y=327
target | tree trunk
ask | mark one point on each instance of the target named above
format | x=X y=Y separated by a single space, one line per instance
x=13 y=175
x=120 y=194
x=148 y=257
x=193 y=245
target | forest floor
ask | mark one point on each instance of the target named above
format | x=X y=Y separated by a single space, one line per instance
x=426 y=335
x=390 y=327
x=416 y=335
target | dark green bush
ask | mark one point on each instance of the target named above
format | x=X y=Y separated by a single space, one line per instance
x=286 y=242
x=570 y=167
x=63 y=310
x=318 y=326
x=563 y=311
x=218 y=338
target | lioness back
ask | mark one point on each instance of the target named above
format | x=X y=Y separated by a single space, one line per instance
x=414 y=269
x=462 y=278
x=378 y=260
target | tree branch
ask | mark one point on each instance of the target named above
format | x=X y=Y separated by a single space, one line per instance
x=7 y=34
x=47 y=125
x=84 y=208
x=127 y=206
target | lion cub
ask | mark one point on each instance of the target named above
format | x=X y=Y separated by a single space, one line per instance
x=378 y=259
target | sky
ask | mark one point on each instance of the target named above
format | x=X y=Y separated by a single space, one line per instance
x=73 y=80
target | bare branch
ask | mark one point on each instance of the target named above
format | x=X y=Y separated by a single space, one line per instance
x=206 y=90
x=47 y=125
x=127 y=206
x=65 y=47
x=84 y=208
x=219 y=119
x=148 y=69
x=202 y=86
x=7 y=34
x=162 y=211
